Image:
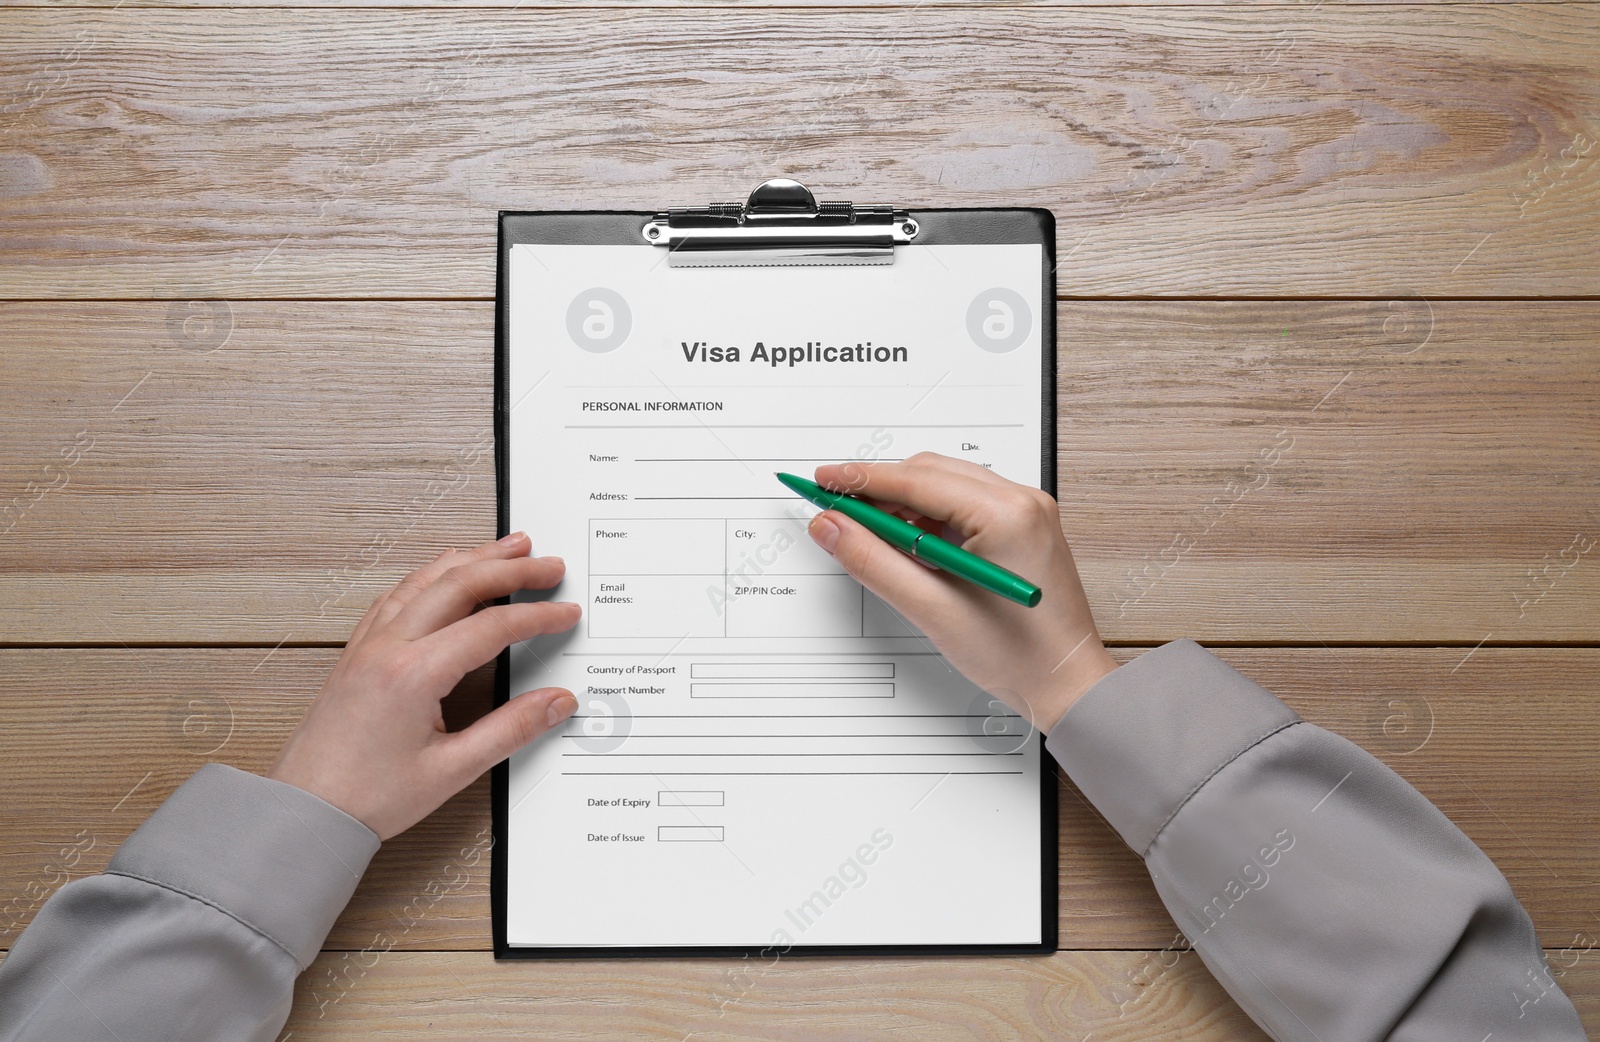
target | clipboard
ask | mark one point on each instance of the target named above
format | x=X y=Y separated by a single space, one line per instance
x=780 y=228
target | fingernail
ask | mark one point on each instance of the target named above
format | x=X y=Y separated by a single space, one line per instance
x=560 y=709
x=825 y=532
x=512 y=539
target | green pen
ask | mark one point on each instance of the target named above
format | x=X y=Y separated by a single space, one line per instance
x=923 y=545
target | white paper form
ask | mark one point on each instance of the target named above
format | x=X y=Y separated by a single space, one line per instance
x=764 y=754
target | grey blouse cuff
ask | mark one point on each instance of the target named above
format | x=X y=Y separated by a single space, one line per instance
x=271 y=855
x=1149 y=734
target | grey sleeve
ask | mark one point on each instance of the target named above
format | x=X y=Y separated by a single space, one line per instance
x=199 y=925
x=1328 y=896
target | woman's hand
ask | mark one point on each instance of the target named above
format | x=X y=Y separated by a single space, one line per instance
x=373 y=742
x=1038 y=660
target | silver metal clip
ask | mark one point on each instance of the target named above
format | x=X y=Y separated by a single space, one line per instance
x=780 y=224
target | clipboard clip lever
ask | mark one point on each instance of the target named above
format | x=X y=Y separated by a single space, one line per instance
x=780 y=224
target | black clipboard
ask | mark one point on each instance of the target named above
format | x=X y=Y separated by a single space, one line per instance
x=780 y=224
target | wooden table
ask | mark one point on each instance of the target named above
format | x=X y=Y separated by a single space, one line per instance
x=1330 y=404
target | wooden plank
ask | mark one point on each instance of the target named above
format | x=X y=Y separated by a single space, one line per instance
x=1114 y=995
x=1145 y=996
x=100 y=737
x=1401 y=470
x=724 y=5
x=273 y=482
x=1312 y=150
x=1152 y=996
x=1117 y=995
x=1342 y=471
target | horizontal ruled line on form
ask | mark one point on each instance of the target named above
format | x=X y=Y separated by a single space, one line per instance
x=787 y=426
x=768 y=386
x=749 y=458
x=757 y=774
x=745 y=654
x=947 y=734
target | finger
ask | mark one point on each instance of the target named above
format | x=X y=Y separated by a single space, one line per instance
x=931 y=525
x=955 y=466
x=936 y=461
x=465 y=588
x=413 y=583
x=508 y=728
x=961 y=499
x=381 y=608
x=1022 y=496
x=369 y=618
x=409 y=588
x=852 y=474
x=907 y=584
x=465 y=645
x=905 y=513
x=420 y=576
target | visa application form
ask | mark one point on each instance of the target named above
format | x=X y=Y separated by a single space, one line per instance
x=764 y=753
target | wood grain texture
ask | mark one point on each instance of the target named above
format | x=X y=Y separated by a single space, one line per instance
x=1404 y=470
x=1148 y=996
x=1317 y=150
x=1393 y=470
x=712 y=5
x=1119 y=996
x=202 y=463
x=100 y=737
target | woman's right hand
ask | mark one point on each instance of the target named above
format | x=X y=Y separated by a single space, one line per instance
x=1038 y=660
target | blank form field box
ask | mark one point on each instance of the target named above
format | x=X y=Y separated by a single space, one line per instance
x=703 y=798
x=794 y=606
x=655 y=606
x=656 y=546
x=789 y=689
x=689 y=833
x=775 y=546
x=792 y=670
